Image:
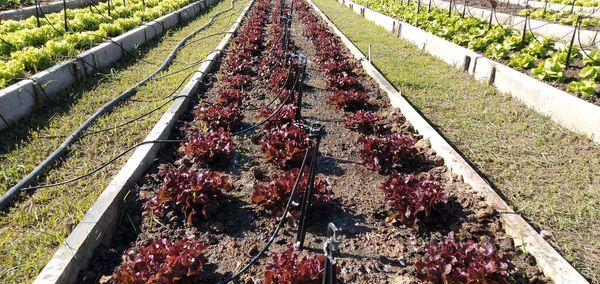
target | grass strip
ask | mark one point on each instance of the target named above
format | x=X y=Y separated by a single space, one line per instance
x=546 y=173
x=32 y=229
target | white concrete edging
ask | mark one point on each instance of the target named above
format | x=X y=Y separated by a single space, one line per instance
x=20 y=99
x=560 y=32
x=552 y=264
x=592 y=11
x=26 y=12
x=565 y=109
x=100 y=221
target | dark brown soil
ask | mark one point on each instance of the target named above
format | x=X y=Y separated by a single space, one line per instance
x=372 y=250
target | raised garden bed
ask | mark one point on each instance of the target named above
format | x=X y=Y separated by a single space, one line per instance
x=539 y=58
x=564 y=17
x=230 y=188
x=29 y=46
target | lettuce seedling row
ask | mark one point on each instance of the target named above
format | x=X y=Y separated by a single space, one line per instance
x=209 y=205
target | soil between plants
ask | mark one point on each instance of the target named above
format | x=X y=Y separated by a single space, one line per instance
x=372 y=251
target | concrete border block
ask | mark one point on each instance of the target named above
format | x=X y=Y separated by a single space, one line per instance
x=53 y=79
x=450 y=53
x=483 y=69
x=100 y=221
x=563 y=108
x=156 y=28
x=132 y=38
x=593 y=11
x=17 y=101
x=552 y=264
x=189 y=13
x=107 y=53
x=413 y=34
x=88 y=61
x=170 y=20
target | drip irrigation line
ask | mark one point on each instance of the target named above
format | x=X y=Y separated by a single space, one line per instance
x=265 y=120
x=8 y=43
x=473 y=16
x=104 y=165
x=254 y=108
x=529 y=23
x=172 y=93
x=14 y=191
x=138 y=117
x=9 y=127
x=202 y=38
x=497 y=21
x=566 y=35
x=279 y=225
x=20 y=134
x=583 y=50
x=533 y=35
x=35 y=81
x=98 y=11
x=47 y=20
x=194 y=64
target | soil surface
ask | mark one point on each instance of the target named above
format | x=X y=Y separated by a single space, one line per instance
x=372 y=251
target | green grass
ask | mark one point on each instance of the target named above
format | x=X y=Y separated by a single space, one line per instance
x=548 y=174
x=31 y=230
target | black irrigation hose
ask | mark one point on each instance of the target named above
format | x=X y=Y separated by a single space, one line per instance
x=14 y=191
x=532 y=34
x=48 y=20
x=138 y=117
x=8 y=43
x=101 y=166
x=276 y=96
x=146 y=142
x=497 y=21
x=529 y=23
x=583 y=50
x=9 y=127
x=130 y=121
x=277 y=228
x=254 y=108
x=98 y=11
